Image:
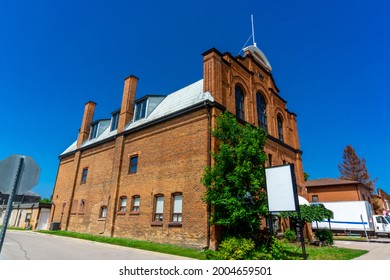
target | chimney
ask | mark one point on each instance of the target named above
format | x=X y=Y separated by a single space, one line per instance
x=127 y=108
x=212 y=74
x=89 y=110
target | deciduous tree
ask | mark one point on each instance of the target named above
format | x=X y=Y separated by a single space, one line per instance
x=235 y=182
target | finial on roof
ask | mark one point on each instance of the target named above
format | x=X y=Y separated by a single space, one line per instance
x=253 y=32
x=254 y=50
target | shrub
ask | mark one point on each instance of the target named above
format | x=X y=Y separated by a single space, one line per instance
x=290 y=235
x=277 y=250
x=234 y=248
x=325 y=236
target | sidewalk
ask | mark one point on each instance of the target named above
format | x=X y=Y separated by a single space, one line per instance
x=379 y=249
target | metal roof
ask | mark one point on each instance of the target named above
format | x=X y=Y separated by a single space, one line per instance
x=176 y=101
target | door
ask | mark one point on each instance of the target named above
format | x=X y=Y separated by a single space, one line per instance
x=43 y=219
x=381 y=225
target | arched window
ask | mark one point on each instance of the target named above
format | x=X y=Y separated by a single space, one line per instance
x=82 y=206
x=280 y=128
x=240 y=108
x=262 y=111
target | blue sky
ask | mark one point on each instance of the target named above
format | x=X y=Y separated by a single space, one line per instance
x=330 y=61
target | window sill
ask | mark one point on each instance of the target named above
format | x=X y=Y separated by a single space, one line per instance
x=121 y=213
x=81 y=213
x=101 y=219
x=175 y=224
x=156 y=224
x=134 y=213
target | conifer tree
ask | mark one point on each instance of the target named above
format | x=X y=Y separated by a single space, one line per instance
x=353 y=168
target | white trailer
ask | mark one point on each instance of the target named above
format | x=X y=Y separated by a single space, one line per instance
x=348 y=217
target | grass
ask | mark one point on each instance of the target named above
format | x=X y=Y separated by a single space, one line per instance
x=144 y=245
x=293 y=251
x=14 y=228
x=323 y=253
x=350 y=238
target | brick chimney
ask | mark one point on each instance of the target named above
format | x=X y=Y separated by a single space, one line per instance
x=128 y=98
x=89 y=110
x=212 y=74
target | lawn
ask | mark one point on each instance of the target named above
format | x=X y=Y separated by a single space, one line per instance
x=323 y=253
x=293 y=251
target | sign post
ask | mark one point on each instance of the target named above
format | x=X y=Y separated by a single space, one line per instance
x=282 y=194
x=18 y=174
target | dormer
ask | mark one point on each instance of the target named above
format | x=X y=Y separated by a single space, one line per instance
x=146 y=105
x=97 y=128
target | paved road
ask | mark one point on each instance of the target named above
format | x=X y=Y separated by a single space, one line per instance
x=27 y=245
x=378 y=249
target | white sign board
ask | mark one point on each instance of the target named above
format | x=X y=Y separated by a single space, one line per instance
x=281 y=189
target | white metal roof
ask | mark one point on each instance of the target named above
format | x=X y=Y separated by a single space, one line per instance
x=179 y=100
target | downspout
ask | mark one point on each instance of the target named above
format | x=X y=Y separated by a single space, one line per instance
x=117 y=183
x=207 y=105
x=53 y=205
x=77 y=159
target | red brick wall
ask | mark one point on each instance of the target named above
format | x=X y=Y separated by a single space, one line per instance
x=349 y=192
x=171 y=159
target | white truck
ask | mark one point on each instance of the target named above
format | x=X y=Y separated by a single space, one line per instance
x=354 y=217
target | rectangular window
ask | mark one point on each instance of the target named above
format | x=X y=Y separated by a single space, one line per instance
x=177 y=208
x=140 y=110
x=103 y=212
x=136 y=204
x=122 y=207
x=314 y=198
x=94 y=130
x=133 y=164
x=114 y=120
x=84 y=176
x=159 y=208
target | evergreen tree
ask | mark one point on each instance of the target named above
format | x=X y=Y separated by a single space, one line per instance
x=353 y=168
x=236 y=188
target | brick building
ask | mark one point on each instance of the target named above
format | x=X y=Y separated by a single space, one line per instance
x=329 y=189
x=137 y=174
x=381 y=202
